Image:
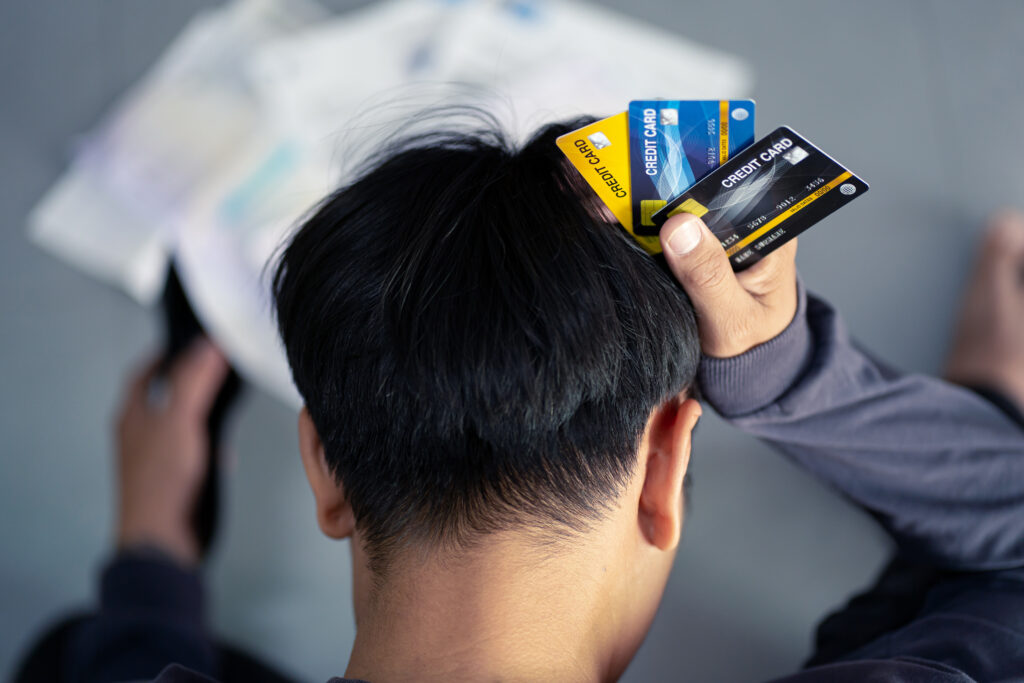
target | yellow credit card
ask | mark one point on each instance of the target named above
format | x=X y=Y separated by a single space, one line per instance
x=600 y=152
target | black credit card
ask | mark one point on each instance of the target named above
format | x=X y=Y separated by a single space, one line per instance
x=765 y=195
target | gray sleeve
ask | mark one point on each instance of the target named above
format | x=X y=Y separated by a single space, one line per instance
x=941 y=468
x=151 y=614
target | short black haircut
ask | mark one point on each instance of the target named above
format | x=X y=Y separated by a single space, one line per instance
x=478 y=344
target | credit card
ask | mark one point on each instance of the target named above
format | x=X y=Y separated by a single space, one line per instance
x=675 y=143
x=767 y=195
x=600 y=152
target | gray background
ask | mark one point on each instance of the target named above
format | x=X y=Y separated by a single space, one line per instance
x=923 y=99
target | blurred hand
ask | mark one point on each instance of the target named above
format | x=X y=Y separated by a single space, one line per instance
x=163 y=448
x=735 y=311
x=988 y=347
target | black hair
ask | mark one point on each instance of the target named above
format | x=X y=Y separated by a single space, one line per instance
x=478 y=344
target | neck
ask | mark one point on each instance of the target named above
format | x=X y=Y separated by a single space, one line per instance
x=497 y=614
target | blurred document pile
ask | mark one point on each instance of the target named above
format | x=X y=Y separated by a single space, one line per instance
x=258 y=110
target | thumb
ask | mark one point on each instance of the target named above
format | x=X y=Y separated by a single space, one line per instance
x=698 y=261
x=197 y=377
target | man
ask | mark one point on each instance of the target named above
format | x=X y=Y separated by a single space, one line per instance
x=500 y=394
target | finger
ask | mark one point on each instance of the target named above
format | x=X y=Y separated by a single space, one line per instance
x=133 y=400
x=698 y=261
x=1000 y=267
x=773 y=272
x=1003 y=246
x=197 y=377
x=137 y=390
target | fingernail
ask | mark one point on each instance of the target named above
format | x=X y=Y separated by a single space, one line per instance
x=685 y=238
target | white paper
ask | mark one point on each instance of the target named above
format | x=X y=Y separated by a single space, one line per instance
x=112 y=213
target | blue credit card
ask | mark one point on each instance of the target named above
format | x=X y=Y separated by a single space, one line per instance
x=675 y=143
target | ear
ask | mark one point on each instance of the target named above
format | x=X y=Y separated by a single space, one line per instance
x=333 y=512
x=668 y=441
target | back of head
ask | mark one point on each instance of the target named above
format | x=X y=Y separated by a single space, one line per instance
x=478 y=345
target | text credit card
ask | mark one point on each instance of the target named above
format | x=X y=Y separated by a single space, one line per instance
x=766 y=195
x=675 y=143
x=600 y=152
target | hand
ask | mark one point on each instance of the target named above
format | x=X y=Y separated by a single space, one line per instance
x=735 y=311
x=162 y=451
